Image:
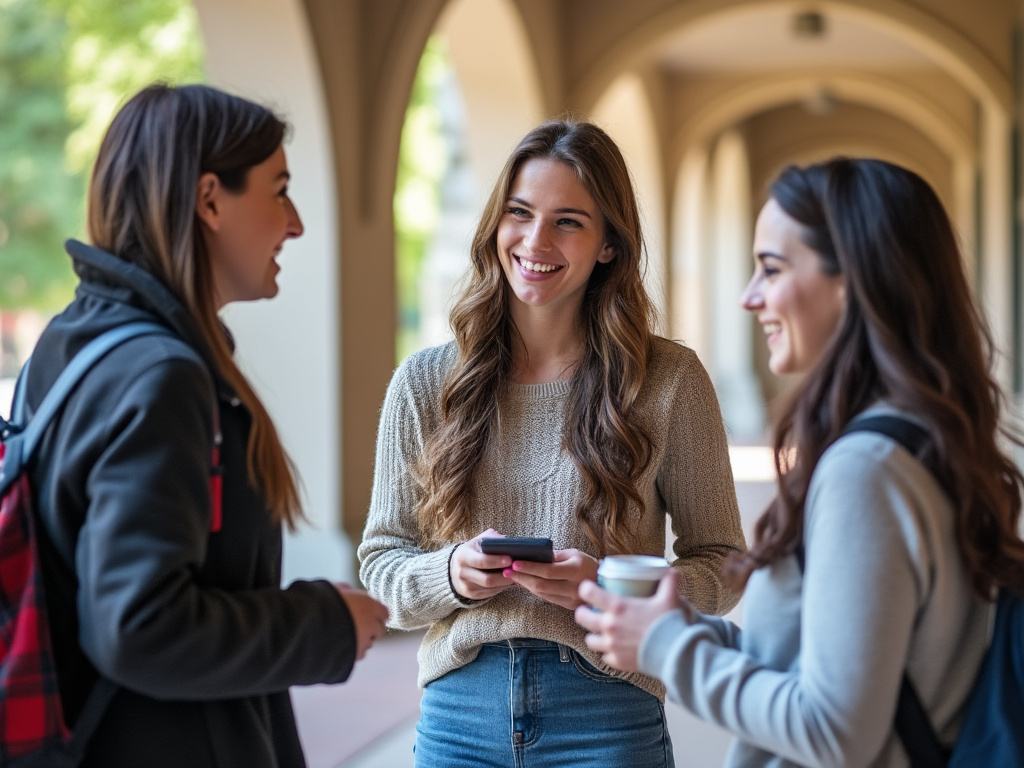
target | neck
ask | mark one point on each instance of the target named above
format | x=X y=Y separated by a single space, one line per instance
x=549 y=346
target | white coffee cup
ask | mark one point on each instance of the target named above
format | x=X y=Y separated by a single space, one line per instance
x=632 y=575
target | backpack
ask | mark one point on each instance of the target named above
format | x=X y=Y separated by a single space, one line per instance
x=32 y=727
x=992 y=733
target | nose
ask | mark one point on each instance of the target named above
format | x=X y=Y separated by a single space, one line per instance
x=295 y=228
x=751 y=299
x=536 y=237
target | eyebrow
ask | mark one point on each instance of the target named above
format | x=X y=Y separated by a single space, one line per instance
x=283 y=175
x=761 y=256
x=557 y=210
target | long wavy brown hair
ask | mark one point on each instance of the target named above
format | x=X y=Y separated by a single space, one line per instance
x=911 y=335
x=142 y=208
x=608 y=445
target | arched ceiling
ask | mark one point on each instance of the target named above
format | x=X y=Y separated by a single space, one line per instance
x=765 y=39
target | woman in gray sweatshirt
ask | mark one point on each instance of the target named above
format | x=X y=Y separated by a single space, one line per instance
x=870 y=562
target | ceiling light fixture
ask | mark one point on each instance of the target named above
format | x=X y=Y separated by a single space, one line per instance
x=808 y=25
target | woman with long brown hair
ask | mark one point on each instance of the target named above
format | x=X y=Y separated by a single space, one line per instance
x=162 y=487
x=878 y=560
x=556 y=413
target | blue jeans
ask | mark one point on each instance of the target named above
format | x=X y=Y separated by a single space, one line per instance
x=535 y=704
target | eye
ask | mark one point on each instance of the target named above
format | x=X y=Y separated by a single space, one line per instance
x=571 y=223
x=770 y=271
x=519 y=213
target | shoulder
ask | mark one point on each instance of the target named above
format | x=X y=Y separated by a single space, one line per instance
x=428 y=362
x=421 y=375
x=870 y=478
x=151 y=367
x=673 y=362
x=676 y=374
x=871 y=459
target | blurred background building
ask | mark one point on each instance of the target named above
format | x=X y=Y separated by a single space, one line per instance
x=403 y=112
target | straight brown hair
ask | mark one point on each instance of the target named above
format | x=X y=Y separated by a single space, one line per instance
x=141 y=208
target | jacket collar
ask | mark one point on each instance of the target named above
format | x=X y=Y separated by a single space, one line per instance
x=128 y=282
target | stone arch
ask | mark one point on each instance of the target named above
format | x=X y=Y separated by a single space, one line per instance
x=624 y=111
x=497 y=78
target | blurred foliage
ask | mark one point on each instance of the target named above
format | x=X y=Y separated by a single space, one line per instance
x=65 y=68
x=422 y=161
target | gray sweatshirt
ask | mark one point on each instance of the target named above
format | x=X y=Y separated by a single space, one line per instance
x=812 y=678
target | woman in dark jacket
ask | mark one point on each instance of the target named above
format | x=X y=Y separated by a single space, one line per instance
x=157 y=580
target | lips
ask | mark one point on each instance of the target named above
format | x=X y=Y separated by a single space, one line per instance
x=536 y=267
x=771 y=331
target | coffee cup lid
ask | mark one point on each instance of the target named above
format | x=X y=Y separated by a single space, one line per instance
x=633 y=567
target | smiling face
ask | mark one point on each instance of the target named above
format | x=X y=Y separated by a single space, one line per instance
x=797 y=304
x=245 y=231
x=550 y=237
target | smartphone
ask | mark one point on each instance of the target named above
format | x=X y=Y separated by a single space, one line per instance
x=521 y=548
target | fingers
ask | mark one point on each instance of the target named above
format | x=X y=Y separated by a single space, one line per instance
x=588 y=618
x=469 y=554
x=477 y=576
x=668 y=587
x=594 y=595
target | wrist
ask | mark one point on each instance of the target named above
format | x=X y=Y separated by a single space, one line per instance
x=451 y=582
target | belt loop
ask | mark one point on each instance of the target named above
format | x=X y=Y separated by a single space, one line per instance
x=563 y=653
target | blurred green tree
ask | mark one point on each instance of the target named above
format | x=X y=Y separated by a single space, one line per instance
x=65 y=68
x=39 y=198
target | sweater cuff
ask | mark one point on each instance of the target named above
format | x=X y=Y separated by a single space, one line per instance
x=659 y=644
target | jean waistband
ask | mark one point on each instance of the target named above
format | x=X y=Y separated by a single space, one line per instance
x=523 y=642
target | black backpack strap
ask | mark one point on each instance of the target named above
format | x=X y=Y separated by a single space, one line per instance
x=911 y=724
x=907 y=433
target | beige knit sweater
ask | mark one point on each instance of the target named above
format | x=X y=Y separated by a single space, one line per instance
x=528 y=486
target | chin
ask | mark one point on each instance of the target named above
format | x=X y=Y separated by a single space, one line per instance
x=779 y=368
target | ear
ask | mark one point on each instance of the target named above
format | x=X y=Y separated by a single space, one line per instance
x=208 y=194
x=607 y=254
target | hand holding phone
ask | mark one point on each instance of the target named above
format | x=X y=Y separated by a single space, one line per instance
x=537 y=550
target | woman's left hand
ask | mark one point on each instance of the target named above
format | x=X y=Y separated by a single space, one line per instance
x=618 y=628
x=556 y=582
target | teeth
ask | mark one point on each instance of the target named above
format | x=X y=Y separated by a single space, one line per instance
x=770 y=328
x=536 y=266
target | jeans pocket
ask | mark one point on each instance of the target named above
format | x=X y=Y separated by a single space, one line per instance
x=591 y=672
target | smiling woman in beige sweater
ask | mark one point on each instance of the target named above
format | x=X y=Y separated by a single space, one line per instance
x=556 y=413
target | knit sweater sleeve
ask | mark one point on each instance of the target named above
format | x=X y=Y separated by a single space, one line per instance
x=695 y=480
x=411 y=581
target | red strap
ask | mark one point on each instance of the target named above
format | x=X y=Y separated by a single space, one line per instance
x=216 y=475
x=216 y=491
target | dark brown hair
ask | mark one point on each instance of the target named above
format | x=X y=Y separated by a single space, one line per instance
x=141 y=208
x=602 y=435
x=912 y=335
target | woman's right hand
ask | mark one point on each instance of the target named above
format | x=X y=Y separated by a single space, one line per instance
x=367 y=614
x=474 y=575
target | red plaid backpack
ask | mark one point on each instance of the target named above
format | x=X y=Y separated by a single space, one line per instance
x=32 y=727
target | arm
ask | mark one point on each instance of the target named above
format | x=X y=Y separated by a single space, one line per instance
x=860 y=596
x=412 y=582
x=146 y=621
x=695 y=480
